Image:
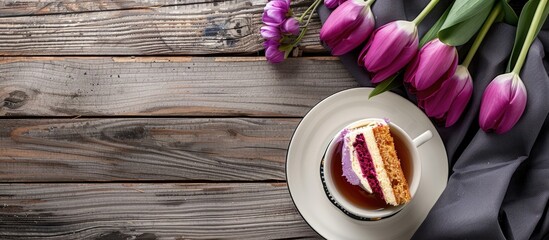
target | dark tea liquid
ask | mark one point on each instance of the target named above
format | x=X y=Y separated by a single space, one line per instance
x=355 y=194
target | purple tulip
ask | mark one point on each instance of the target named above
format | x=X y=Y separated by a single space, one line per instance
x=275 y=12
x=331 y=4
x=503 y=103
x=389 y=49
x=272 y=53
x=348 y=26
x=436 y=61
x=290 y=26
x=448 y=99
x=271 y=33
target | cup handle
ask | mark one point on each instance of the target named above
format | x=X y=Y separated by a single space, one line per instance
x=422 y=138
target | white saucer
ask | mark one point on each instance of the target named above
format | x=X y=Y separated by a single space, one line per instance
x=313 y=135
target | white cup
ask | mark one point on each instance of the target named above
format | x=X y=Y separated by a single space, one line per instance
x=411 y=146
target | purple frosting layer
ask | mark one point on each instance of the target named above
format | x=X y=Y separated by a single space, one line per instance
x=367 y=165
x=348 y=172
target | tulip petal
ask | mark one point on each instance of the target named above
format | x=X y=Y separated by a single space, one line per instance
x=426 y=93
x=495 y=99
x=347 y=27
x=459 y=103
x=275 y=12
x=331 y=4
x=273 y=18
x=454 y=66
x=363 y=52
x=290 y=26
x=270 y=33
x=429 y=92
x=440 y=102
x=409 y=74
x=435 y=61
x=272 y=52
x=405 y=56
x=387 y=44
x=515 y=108
x=355 y=38
x=342 y=20
x=332 y=31
x=274 y=55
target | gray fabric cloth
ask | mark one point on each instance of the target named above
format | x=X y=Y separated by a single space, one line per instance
x=499 y=184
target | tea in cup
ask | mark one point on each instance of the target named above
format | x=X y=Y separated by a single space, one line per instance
x=372 y=168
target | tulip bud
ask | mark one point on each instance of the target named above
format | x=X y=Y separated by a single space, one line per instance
x=275 y=12
x=272 y=51
x=389 y=49
x=348 y=26
x=448 y=99
x=503 y=103
x=290 y=26
x=436 y=61
x=331 y=4
x=270 y=33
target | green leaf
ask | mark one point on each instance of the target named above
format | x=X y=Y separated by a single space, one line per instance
x=509 y=15
x=465 y=9
x=525 y=19
x=387 y=85
x=464 y=20
x=432 y=33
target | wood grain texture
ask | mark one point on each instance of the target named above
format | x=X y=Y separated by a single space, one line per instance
x=149 y=211
x=166 y=86
x=10 y=8
x=193 y=149
x=186 y=27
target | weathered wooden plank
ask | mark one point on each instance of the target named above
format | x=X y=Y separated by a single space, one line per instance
x=10 y=8
x=189 y=27
x=196 y=149
x=149 y=211
x=167 y=86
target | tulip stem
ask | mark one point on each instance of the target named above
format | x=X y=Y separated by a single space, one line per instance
x=309 y=9
x=481 y=34
x=301 y=35
x=536 y=21
x=425 y=11
x=304 y=30
x=315 y=5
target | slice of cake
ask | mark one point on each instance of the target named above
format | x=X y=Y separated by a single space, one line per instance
x=369 y=159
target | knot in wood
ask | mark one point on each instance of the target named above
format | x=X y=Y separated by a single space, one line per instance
x=16 y=99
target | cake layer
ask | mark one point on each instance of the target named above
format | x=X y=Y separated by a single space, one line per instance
x=367 y=165
x=381 y=172
x=346 y=164
x=349 y=141
x=386 y=146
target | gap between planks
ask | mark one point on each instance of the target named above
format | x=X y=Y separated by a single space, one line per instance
x=147 y=117
x=151 y=59
x=271 y=182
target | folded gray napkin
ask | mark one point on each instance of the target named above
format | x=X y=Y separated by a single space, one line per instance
x=499 y=184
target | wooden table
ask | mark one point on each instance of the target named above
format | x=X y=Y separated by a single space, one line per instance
x=153 y=119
